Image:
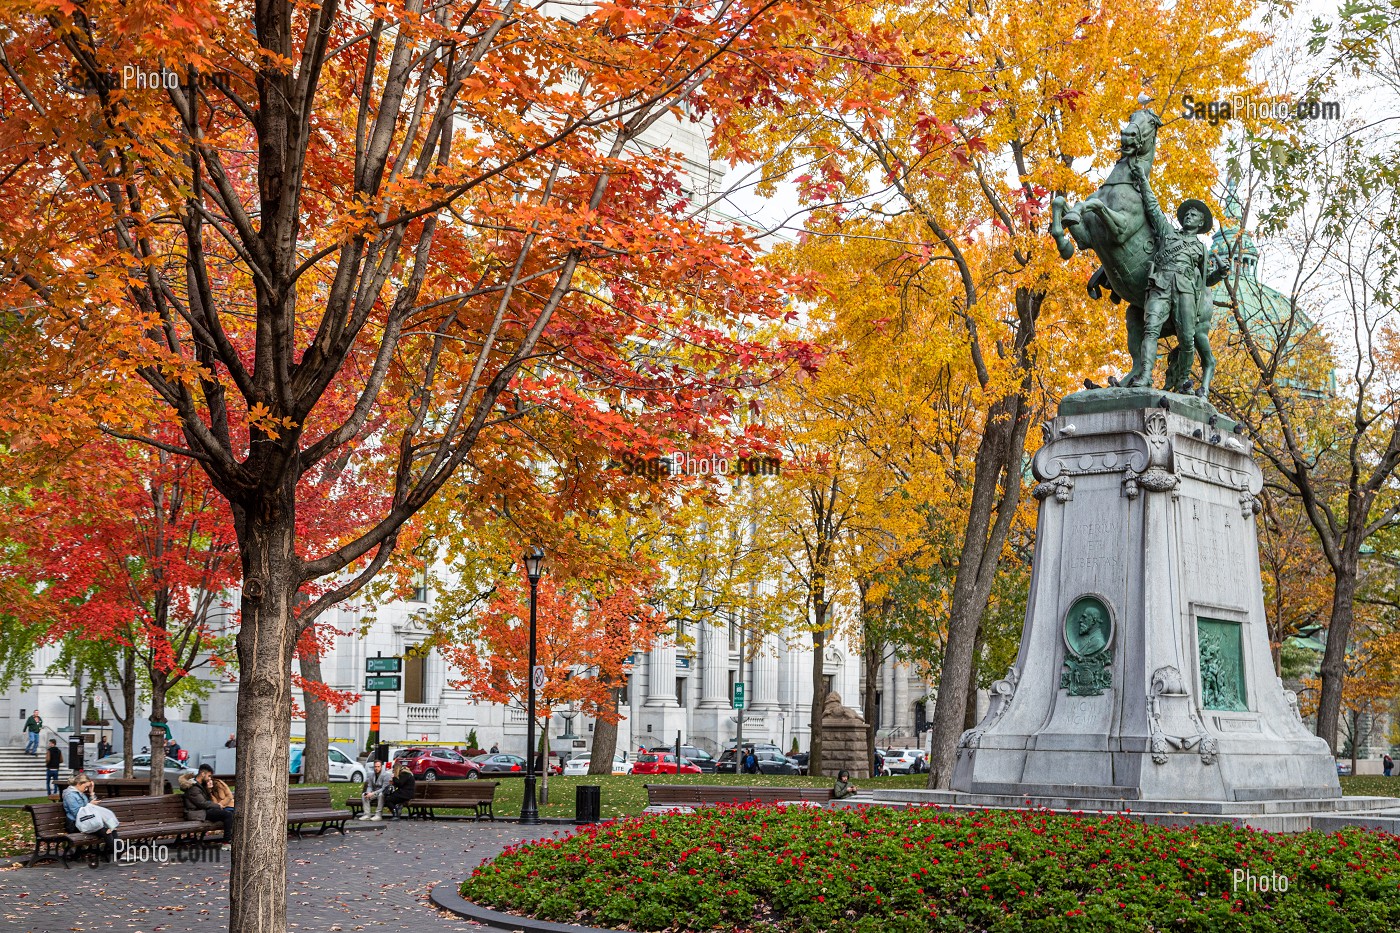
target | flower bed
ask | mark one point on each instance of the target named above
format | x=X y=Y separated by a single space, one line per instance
x=877 y=869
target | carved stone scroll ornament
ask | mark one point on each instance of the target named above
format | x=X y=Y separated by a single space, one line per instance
x=1291 y=699
x=1249 y=503
x=1167 y=683
x=1061 y=487
x=1002 y=692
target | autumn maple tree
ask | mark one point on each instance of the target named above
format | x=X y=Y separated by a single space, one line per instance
x=135 y=552
x=588 y=630
x=448 y=214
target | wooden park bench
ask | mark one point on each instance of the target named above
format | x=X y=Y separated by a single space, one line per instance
x=125 y=787
x=313 y=805
x=431 y=796
x=229 y=778
x=701 y=795
x=141 y=818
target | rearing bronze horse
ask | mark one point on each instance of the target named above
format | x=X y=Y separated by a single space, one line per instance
x=1112 y=223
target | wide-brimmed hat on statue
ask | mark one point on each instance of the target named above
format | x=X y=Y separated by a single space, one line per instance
x=1200 y=206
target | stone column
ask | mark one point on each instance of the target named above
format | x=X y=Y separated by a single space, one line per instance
x=886 y=695
x=661 y=675
x=714 y=666
x=903 y=711
x=765 y=677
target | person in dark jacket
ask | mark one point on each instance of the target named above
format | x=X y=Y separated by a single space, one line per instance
x=400 y=793
x=52 y=763
x=200 y=806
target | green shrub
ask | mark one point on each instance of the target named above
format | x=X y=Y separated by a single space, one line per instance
x=879 y=870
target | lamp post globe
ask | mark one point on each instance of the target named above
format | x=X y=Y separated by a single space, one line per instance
x=529 y=810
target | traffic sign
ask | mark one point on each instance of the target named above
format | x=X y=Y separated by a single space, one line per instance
x=537 y=678
x=739 y=696
x=383 y=665
x=384 y=682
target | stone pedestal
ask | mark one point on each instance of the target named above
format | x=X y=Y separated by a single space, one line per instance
x=1144 y=671
x=845 y=739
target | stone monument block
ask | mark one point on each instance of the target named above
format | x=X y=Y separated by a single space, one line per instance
x=1144 y=670
x=845 y=738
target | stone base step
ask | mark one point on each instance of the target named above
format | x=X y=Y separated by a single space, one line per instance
x=1279 y=816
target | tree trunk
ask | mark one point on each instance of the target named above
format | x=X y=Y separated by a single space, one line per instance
x=266 y=643
x=873 y=653
x=1329 y=705
x=989 y=518
x=129 y=707
x=542 y=768
x=315 y=757
x=159 y=688
x=814 y=762
x=970 y=712
x=605 y=739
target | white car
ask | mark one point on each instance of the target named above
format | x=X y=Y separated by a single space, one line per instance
x=342 y=766
x=904 y=760
x=578 y=766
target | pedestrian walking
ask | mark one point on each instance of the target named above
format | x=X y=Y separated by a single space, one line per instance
x=1388 y=765
x=52 y=763
x=32 y=726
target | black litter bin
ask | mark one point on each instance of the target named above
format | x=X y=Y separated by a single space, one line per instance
x=588 y=803
x=75 y=753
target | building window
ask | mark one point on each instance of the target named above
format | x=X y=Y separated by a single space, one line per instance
x=413 y=670
x=873 y=715
x=420 y=587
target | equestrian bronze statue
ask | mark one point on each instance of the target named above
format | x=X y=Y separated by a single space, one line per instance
x=1163 y=273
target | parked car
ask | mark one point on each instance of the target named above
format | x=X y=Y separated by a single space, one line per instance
x=501 y=764
x=663 y=763
x=801 y=759
x=342 y=766
x=434 y=764
x=111 y=767
x=729 y=759
x=903 y=761
x=578 y=765
x=697 y=756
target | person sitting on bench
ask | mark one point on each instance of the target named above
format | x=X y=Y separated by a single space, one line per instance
x=400 y=793
x=199 y=805
x=377 y=785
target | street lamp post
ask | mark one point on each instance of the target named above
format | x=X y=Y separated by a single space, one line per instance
x=529 y=811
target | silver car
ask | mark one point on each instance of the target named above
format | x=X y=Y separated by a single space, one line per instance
x=111 y=767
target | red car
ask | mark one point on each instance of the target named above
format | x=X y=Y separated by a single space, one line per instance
x=433 y=764
x=663 y=763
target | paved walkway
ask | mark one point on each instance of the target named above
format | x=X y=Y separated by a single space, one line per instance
x=362 y=881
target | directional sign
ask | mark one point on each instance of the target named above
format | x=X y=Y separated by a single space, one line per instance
x=383 y=665
x=537 y=678
x=385 y=682
x=739 y=696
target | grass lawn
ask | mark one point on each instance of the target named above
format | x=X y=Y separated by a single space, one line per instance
x=621 y=796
